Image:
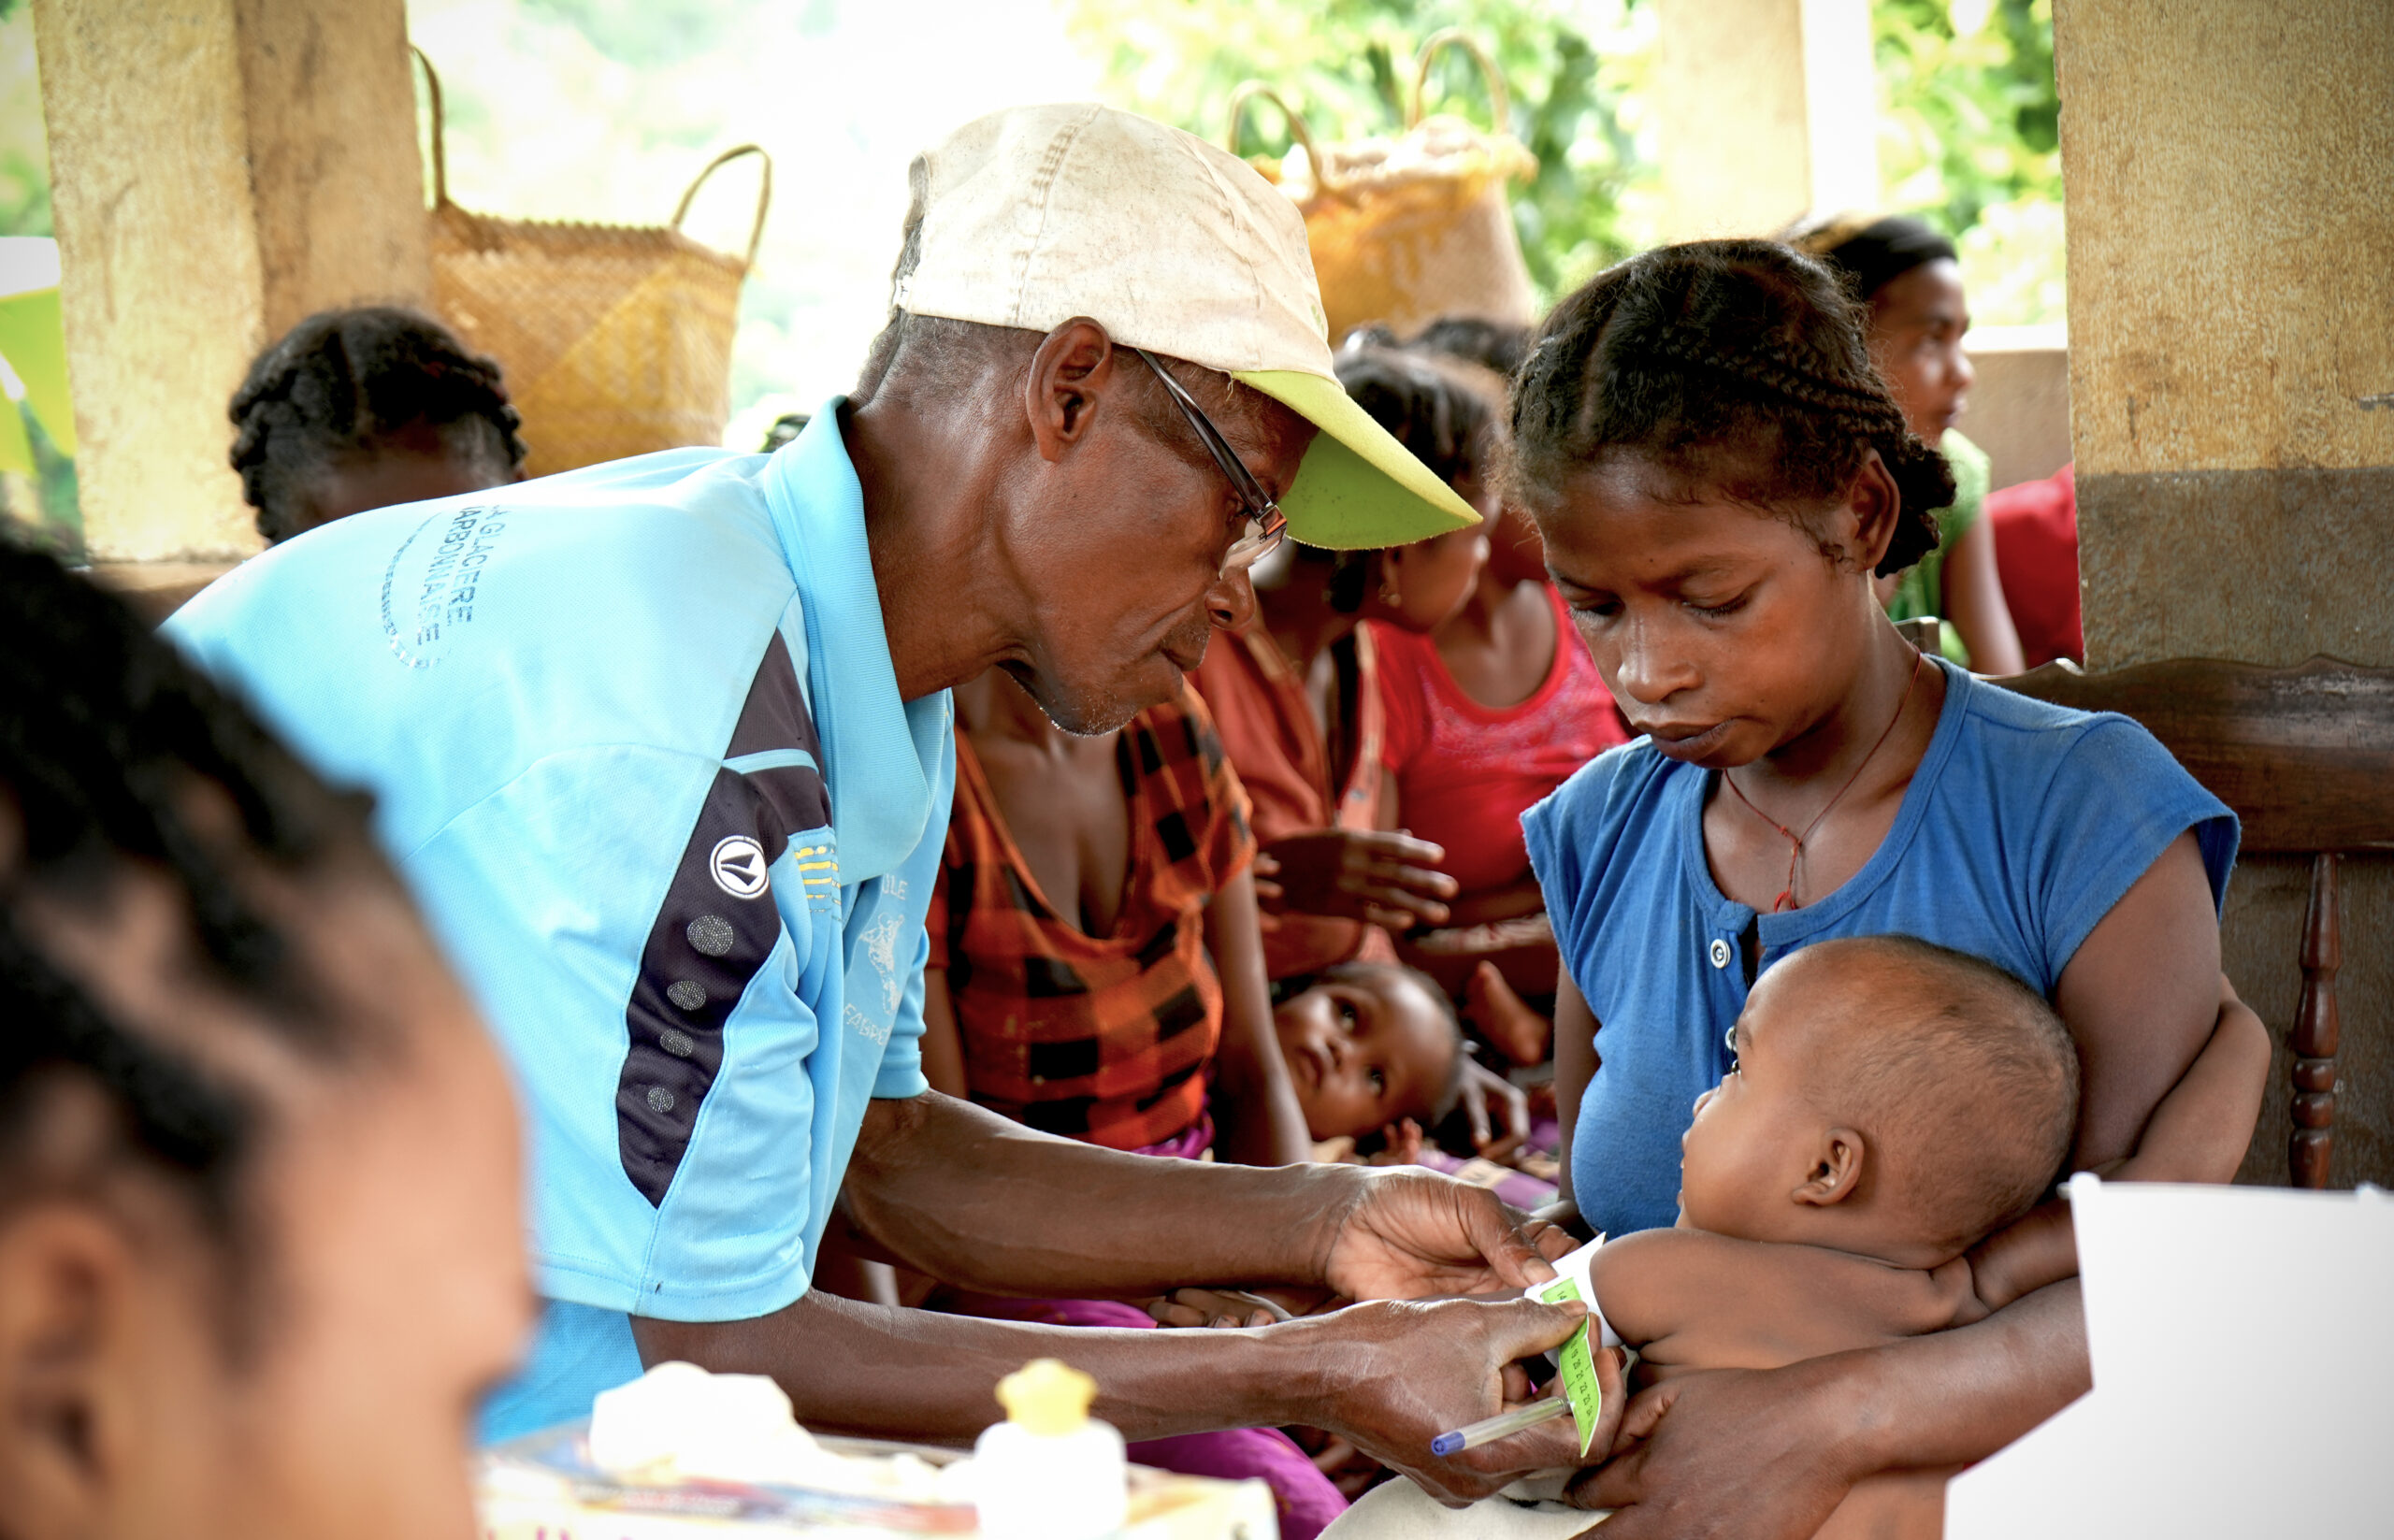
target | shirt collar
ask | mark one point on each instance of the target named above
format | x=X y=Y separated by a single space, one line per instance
x=881 y=755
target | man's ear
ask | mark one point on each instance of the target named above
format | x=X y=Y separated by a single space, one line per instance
x=69 y=1385
x=1836 y=1170
x=1069 y=374
x=1876 y=507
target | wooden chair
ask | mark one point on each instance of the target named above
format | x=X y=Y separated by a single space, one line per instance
x=2305 y=756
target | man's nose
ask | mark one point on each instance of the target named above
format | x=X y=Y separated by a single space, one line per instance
x=1966 y=373
x=1705 y=1097
x=1229 y=603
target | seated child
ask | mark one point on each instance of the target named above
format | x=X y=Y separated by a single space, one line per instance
x=367 y=408
x=1891 y=1104
x=1485 y=715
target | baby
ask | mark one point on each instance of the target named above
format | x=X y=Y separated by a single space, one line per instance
x=1891 y=1103
x=1370 y=1045
x=1890 y=1106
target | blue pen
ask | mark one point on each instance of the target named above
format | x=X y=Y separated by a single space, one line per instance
x=1488 y=1429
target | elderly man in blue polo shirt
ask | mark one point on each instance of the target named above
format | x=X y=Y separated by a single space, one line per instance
x=665 y=749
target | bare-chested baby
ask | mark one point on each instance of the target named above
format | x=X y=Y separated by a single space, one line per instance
x=1890 y=1106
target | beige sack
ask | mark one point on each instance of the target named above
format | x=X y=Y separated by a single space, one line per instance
x=1409 y=229
x=616 y=340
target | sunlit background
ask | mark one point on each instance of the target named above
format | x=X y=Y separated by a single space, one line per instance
x=604 y=109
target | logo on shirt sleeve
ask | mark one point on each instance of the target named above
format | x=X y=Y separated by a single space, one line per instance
x=738 y=866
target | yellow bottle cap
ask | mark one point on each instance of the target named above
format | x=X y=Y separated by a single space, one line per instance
x=1048 y=1397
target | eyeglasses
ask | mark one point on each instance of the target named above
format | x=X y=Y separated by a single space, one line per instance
x=1266 y=526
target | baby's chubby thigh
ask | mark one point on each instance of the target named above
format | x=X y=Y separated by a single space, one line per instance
x=1529 y=1510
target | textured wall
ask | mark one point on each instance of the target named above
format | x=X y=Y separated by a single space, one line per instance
x=2230 y=173
x=220 y=168
x=1767 y=109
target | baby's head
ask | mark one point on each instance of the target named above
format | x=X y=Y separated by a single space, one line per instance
x=1890 y=1097
x=1368 y=1044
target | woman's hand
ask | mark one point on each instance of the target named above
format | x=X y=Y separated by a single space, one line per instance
x=1732 y=1453
x=1382 y=878
x=1234 y=1309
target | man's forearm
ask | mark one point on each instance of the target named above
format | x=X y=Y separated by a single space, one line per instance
x=872 y=1371
x=965 y=1195
x=1953 y=1397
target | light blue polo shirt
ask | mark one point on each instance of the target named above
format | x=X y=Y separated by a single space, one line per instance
x=637 y=747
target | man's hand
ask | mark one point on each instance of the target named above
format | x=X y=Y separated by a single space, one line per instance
x=1385 y=879
x=1410 y=1234
x=1727 y=1455
x=1410 y=1372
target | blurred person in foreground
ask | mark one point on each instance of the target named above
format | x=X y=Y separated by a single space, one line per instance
x=1909 y=283
x=259 y=1232
x=664 y=746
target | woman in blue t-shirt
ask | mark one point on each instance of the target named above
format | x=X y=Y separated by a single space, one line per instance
x=1718 y=472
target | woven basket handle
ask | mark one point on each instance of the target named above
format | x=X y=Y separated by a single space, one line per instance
x=1257 y=91
x=1500 y=103
x=764 y=194
x=439 y=131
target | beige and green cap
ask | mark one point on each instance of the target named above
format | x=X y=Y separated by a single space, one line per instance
x=1036 y=214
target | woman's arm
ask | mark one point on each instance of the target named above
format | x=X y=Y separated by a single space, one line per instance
x=2198 y=1133
x=943 y=1044
x=1974 y=603
x=1768 y=1454
x=1255 y=1105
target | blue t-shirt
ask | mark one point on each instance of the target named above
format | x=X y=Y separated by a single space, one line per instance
x=637 y=748
x=2023 y=825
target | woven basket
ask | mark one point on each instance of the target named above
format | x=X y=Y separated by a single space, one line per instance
x=1409 y=229
x=616 y=340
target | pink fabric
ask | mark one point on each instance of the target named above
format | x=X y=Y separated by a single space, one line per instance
x=1465 y=771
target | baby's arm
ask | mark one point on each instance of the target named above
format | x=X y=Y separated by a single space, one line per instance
x=1688 y=1298
x=2198 y=1133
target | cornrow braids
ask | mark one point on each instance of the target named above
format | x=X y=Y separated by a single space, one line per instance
x=106 y=736
x=341 y=382
x=1740 y=364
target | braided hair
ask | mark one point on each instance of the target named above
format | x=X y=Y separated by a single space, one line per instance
x=1739 y=364
x=341 y=382
x=115 y=754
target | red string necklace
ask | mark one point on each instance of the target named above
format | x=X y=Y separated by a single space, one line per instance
x=1786 y=899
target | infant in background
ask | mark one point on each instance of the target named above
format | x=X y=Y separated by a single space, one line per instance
x=1892 y=1104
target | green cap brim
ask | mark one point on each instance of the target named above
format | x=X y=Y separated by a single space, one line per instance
x=1358 y=488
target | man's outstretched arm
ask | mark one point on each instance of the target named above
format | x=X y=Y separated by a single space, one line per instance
x=956 y=1191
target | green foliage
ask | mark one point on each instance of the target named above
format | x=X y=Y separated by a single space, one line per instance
x=25 y=149
x=1576 y=69
x=1970 y=139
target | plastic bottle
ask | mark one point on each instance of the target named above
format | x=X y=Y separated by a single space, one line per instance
x=1049 y=1471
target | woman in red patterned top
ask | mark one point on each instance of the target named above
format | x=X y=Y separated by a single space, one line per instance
x=1096 y=971
x=1091 y=891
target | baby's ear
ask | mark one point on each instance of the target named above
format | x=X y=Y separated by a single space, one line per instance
x=1836 y=1169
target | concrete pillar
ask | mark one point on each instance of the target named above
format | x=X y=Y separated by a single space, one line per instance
x=2230 y=176
x=220 y=168
x=1769 y=110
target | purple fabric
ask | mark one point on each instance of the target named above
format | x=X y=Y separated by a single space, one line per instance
x=1306 y=1500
